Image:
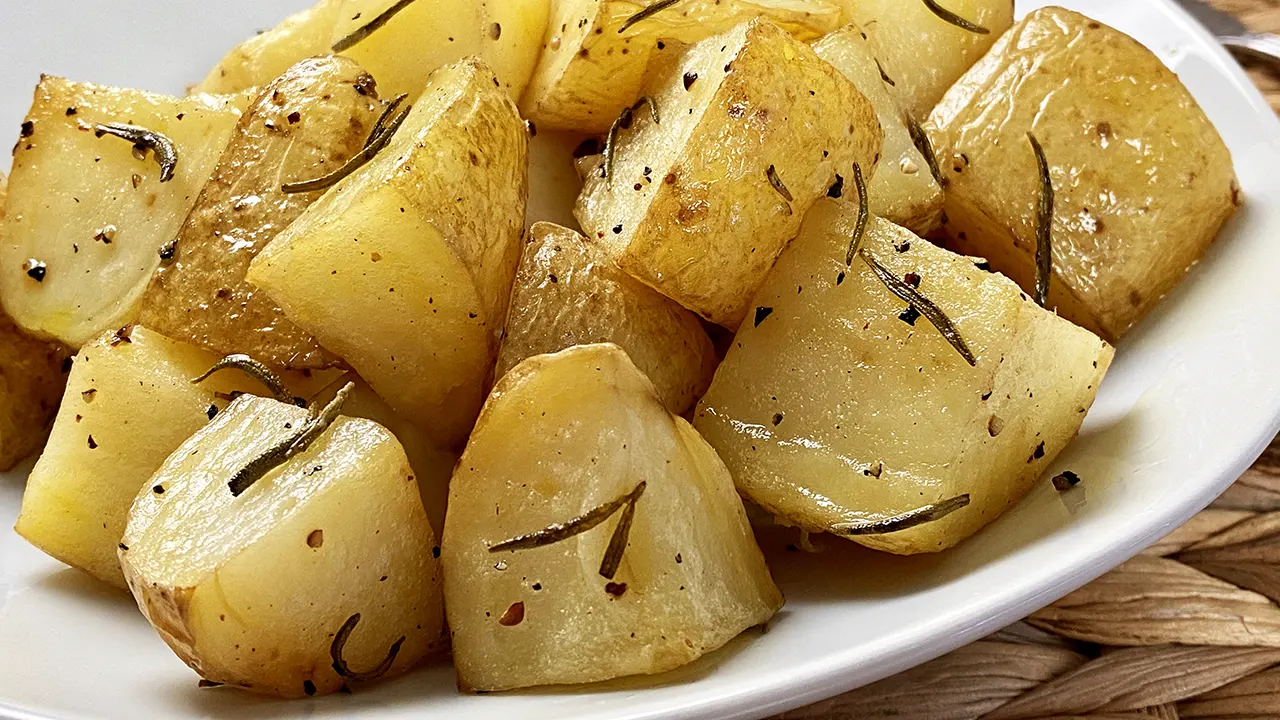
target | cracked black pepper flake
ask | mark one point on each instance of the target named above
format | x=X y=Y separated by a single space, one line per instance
x=689 y=79
x=35 y=269
x=910 y=315
x=1066 y=481
x=93 y=444
x=157 y=489
x=28 y=129
x=308 y=687
x=837 y=188
x=435 y=551
x=211 y=412
x=513 y=616
x=912 y=279
x=294 y=117
x=777 y=419
x=615 y=589
x=1037 y=455
x=762 y=314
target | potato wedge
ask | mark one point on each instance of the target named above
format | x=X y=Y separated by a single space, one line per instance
x=86 y=216
x=420 y=37
x=32 y=377
x=304 y=125
x=563 y=435
x=264 y=57
x=592 y=67
x=922 y=53
x=1142 y=188
x=901 y=422
x=568 y=293
x=405 y=268
x=251 y=590
x=903 y=190
x=129 y=403
x=699 y=205
x=432 y=465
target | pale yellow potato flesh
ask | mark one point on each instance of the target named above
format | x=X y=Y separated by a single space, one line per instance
x=91 y=211
x=924 y=54
x=304 y=125
x=264 y=57
x=31 y=382
x=128 y=404
x=1142 y=180
x=250 y=590
x=690 y=207
x=432 y=465
x=903 y=190
x=404 y=269
x=561 y=435
x=591 y=68
x=429 y=34
x=567 y=292
x=831 y=410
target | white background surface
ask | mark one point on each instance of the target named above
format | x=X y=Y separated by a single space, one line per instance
x=1190 y=402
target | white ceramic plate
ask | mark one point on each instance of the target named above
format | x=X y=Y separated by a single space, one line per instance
x=1192 y=399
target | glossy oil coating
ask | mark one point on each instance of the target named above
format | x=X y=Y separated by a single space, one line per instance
x=561 y=435
x=249 y=590
x=568 y=293
x=304 y=125
x=902 y=420
x=690 y=208
x=92 y=210
x=1142 y=180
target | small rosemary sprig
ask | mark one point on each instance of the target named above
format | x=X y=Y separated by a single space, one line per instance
x=166 y=153
x=905 y=521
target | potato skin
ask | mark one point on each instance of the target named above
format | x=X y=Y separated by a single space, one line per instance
x=94 y=213
x=32 y=377
x=1143 y=181
x=902 y=190
x=922 y=53
x=560 y=435
x=706 y=222
x=304 y=125
x=335 y=531
x=404 y=269
x=899 y=419
x=262 y=58
x=567 y=292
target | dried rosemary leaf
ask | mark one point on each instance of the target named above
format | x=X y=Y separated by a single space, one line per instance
x=776 y=182
x=385 y=130
x=885 y=76
x=380 y=126
x=623 y=122
x=296 y=443
x=905 y=521
x=618 y=542
x=1044 y=225
x=374 y=25
x=921 y=140
x=166 y=153
x=864 y=216
x=955 y=19
x=253 y=369
x=646 y=13
x=340 y=643
x=924 y=305
x=553 y=534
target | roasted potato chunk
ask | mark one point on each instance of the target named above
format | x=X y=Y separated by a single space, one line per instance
x=432 y=465
x=922 y=53
x=404 y=269
x=568 y=293
x=262 y=58
x=86 y=216
x=129 y=403
x=1141 y=187
x=420 y=37
x=903 y=190
x=593 y=66
x=840 y=409
x=583 y=434
x=753 y=128
x=331 y=537
x=32 y=378
x=305 y=125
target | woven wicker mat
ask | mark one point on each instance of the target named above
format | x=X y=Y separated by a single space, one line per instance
x=1190 y=629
